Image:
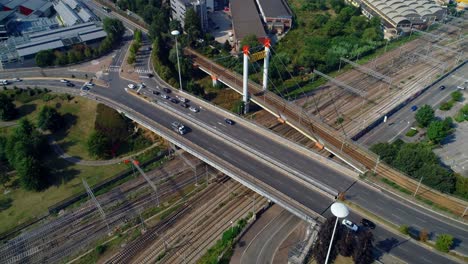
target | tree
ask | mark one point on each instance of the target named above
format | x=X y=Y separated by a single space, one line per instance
x=45 y=58
x=437 y=177
x=364 y=248
x=413 y=156
x=192 y=25
x=131 y=58
x=438 y=130
x=114 y=28
x=7 y=108
x=98 y=145
x=386 y=151
x=457 y=96
x=346 y=243
x=444 y=242
x=323 y=241
x=31 y=174
x=250 y=40
x=88 y=52
x=227 y=46
x=49 y=119
x=60 y=58
x=425 y=115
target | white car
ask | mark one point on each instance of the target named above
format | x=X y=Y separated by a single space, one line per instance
x=131 y=86
x=89 y=84
x=194 y=109
x=165 y=96
x=17 y=80
x=64 y=80
x=350 y=225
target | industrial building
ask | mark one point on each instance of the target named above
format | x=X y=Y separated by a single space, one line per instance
x=400 y=16
x=71 y=12
x=179 y=7
x=276 y=15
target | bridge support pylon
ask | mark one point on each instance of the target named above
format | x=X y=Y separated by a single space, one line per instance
x=214 y=79
x=266 y=62
x=245 y=91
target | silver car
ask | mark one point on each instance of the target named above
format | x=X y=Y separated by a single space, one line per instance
x=194 y=109
x=350 y=225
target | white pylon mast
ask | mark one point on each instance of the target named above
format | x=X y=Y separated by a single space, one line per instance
x=266 y=62
x=245 y=92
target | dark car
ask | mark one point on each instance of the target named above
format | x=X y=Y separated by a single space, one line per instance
x=184 y=105
x=167 y=90
x=156 y=92
x=441 y=87
x=368 y=223
x=175 y=101
x=414 y=108
x=150 y=75
x=69 y=84
x=229 y=121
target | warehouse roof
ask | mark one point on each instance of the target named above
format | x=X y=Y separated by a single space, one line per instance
x=274 y=8
x=64 y=31
x=66 y=13
x=36 y=46
x=14 y=3
x=85 y=14
x=34 y=4
x=72 y=3
x=398 y=11
x=245 y=19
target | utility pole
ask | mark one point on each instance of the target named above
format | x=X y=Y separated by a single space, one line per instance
x=135 y=163
x=376 y=164
x=266 y=62
x=93 y=198
x=419 y=184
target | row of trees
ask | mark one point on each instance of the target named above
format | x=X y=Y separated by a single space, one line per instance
x=114 y=29
x=23 y=150
x=346 y=243
x=7 y=108
x=437 y=130
x=135 y=47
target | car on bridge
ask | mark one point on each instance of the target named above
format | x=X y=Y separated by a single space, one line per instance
x=69 y=84
x=64 y=80
x=229 y=121
x=179 y=128
x=194 y=109
x=175 y=101
x=167 y=90
x=184 y=105
x=165 y=96
x=155 y=92
x=350 y=225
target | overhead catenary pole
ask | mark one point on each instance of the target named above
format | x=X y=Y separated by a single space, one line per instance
x=93 y=198
x=245 y=92
x=266 y=62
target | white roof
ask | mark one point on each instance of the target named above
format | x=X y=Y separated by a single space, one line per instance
x=67 y=14
x=36 y=46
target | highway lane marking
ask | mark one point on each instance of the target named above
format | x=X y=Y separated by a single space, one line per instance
x=397 y=216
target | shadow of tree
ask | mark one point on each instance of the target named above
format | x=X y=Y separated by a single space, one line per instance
x=26 y=109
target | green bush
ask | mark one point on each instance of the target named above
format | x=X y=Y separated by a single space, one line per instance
x=446 y=106
x=101 y=249
x=457 y=96
x=411 y=132
x=404 y=229
x=444 y=242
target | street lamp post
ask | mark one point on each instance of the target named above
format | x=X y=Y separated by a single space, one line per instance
x=176 y=33
x=340 y=211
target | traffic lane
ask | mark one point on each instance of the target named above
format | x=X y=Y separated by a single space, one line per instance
x=313 y=169
x=433 y=97
x=400 y=213
x=396 y=245
x=362 y=195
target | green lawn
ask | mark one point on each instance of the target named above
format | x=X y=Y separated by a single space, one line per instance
x=66 y=179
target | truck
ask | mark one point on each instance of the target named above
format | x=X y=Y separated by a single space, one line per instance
x=179 y=128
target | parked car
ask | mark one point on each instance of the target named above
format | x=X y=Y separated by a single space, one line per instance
x=442 y=87
x=229 y=121
x=350 y=225
x=194 y=109
x=414 y=108
x=167 y=90
x=368 y=223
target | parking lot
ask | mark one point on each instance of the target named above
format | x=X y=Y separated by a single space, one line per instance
x=454 y=149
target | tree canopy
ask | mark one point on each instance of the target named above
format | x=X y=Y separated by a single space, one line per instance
x=7 y=108
x=425 y=115
x=192 y=25
x=49 y=119
x=439 y=129
x=45 y=58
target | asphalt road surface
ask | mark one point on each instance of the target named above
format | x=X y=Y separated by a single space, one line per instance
x=371 y=199
x=398 y=124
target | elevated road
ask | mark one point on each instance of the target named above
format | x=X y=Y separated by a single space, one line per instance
x=316 y=130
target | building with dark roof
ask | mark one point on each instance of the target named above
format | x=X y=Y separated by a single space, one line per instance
x=275 y=14
x=245 y=21
x=5 y=16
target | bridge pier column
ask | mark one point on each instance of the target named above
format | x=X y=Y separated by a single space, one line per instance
x=214 y=79
x=266 y=62
x=245 y=92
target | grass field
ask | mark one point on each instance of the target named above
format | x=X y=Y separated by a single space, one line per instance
x=65 y=177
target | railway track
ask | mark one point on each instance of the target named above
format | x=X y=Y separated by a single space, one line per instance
x=70 y=233
x=312 y=126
